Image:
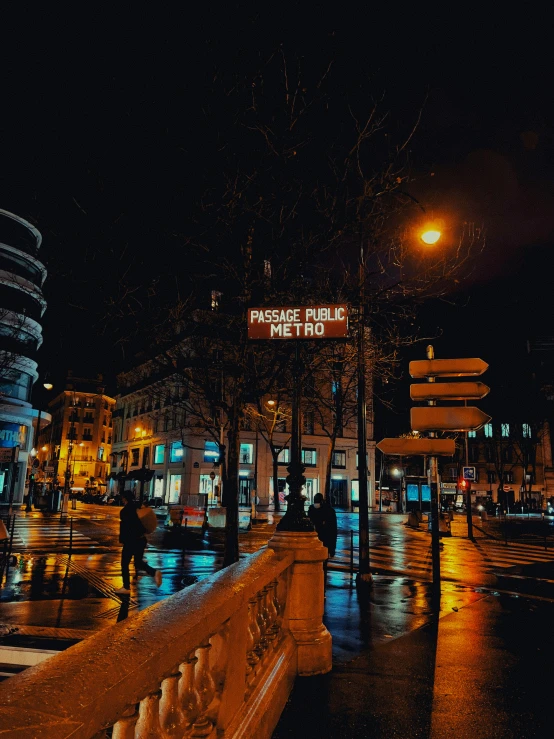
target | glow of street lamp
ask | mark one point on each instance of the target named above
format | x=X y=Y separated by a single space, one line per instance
x=271 y=402
x=48 y=385
x=137 y=430
x=44 y=448
x=431 y=236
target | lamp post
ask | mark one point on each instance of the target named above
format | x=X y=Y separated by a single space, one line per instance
x=28 y=507
x=295 y=518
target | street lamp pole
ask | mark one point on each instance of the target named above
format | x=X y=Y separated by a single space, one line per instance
x=31 y=491
x=364 y=576
x=295 y=518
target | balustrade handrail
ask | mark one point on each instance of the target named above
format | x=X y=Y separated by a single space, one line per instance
x=93 y=684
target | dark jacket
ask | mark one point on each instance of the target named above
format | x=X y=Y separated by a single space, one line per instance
x=324 y=519
x=130 y=527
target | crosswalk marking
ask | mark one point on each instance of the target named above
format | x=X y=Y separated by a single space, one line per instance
x=32 y=533
x=460 y=558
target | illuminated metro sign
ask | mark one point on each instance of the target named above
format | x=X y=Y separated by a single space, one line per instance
x=302 y=322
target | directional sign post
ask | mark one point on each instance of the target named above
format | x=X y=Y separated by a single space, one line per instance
x=449 y=418
x=412 y=446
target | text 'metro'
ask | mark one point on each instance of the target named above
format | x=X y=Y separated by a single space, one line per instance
x=302 y=322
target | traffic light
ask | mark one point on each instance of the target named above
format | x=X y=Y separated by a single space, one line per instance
x=31 y=476
x=463 y=485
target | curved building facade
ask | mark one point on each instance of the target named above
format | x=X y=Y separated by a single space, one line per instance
x=22 y=306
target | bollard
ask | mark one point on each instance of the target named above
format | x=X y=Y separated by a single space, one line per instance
x=484 y=516
x=70 y=535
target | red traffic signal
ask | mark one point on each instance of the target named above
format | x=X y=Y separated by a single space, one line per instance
x=463 y=484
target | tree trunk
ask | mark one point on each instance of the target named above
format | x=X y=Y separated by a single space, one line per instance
x=328 y=467
x=276 y=501
x=231 y=492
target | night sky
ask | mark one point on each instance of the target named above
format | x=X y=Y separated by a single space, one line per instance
x=108 y=123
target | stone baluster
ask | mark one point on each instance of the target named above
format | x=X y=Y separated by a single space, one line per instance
x=125 y=727
x=148 y=724
x=172 y=720
x=271 y=610
x=252 y=636
x=188 y=697
x=262 y=623
x=205 y=687
x=278 y=605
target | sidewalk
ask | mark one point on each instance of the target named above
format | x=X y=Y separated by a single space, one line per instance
x=478 y=670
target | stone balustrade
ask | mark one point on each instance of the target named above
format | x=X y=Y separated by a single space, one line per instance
x=216 y=659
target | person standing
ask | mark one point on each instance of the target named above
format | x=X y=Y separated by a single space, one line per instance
x=132 y=535
x=324 y=519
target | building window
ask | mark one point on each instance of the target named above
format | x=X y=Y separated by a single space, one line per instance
x=211 y=452
x=159 y=451
x=474 y=453
x=88 y=418
x=215 y=299
x=508 y=477
x=246 y=453
x=488 y=430
x=71 y=433
x=489 y=453
x=505 y=430
x=100 y=453
x=508 y=455
x=87 y=434
x=309 y=457
x=339 y=459
x=284 y=456
x=134 y=457
x=491 y=477
x=526 y=430
x=367 y=462
x=308 y=422
x=176 y=452
x=472 y=434
x=109 y=438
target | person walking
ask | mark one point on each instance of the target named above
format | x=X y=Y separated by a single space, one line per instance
x=324 y=519
x=132 y=535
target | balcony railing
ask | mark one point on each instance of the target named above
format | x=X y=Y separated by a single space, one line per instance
x=216 y=659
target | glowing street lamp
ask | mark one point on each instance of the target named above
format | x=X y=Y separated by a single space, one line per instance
x=431 y=236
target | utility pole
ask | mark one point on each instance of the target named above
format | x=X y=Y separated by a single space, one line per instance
x=364 y=577
x=433 y=477
x=468 y=491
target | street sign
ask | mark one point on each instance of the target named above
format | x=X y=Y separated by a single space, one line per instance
x=449 y=391
x=301 y=322
x=466 y=367
x=452 y=418
x=407 y=447
x=469 y=473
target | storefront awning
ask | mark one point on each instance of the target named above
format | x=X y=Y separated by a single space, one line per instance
x=140 y=474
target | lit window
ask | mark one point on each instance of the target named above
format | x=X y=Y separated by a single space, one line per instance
x=246 y=453
x=284 y=456
x=309 y=457
x=472 y=434
x=488 y=430
x=177 y=451
x=526 y=429
x=505 y=429
x=134 y=457
x=100 y=453
x=339 y=459
x=159 y=450
x=211 y=452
